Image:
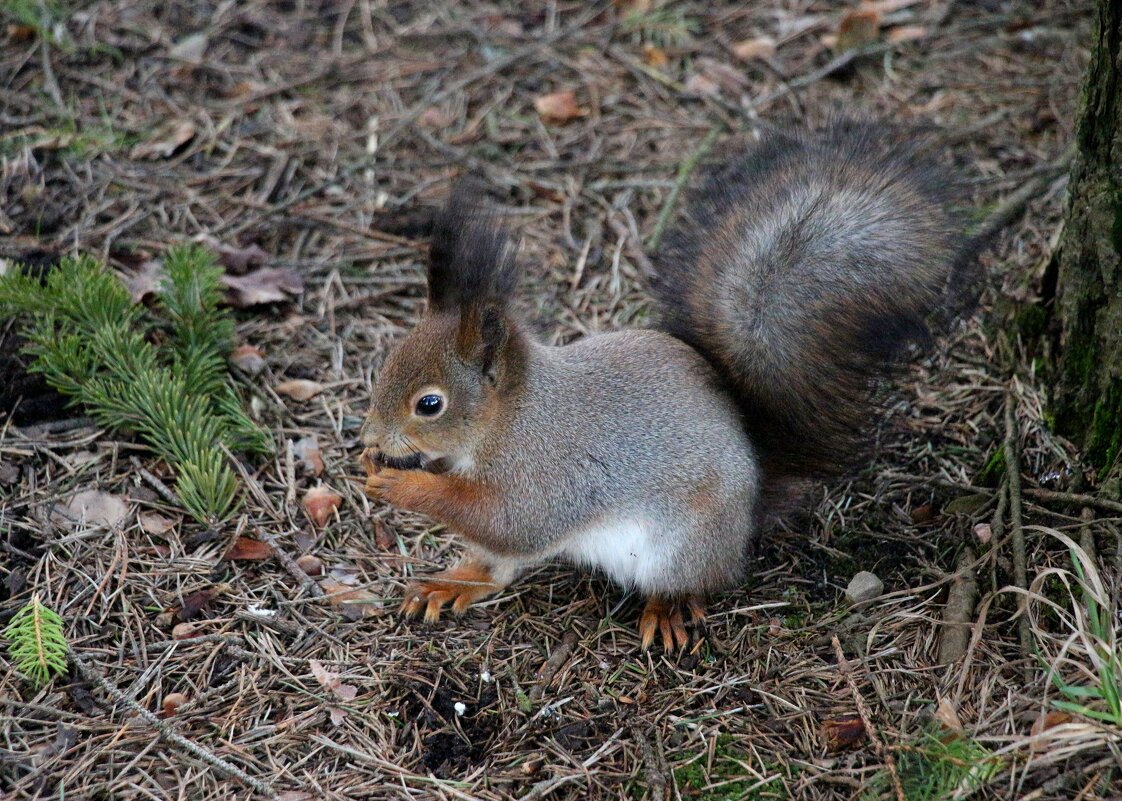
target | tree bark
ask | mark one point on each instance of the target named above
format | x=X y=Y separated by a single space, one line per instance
x=1087 y=353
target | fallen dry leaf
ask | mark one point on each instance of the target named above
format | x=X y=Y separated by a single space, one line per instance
x=267 y=285
x=353 y=604
x=299 y=389
x=923 y=514
x=97 y=508
x=236 y=260
x=984 y=533
x=858 y=28
x=310 y=564
x=248 y=358
x=190 y=48
x=155 y=523
x=247 y=549
x=172 y=702
x=759 y=47
x=946 y=716
x=383 y=536
x=906 y=33
x=144 y=280
x=1050 y=721
x=167 y=140
x=330 y=681
x=842 y=732
x=196 y=602
x=320 y=503
x=701 y=84
x=308 y=452
x=559 y=107
x=655 y=56
x=434 y=119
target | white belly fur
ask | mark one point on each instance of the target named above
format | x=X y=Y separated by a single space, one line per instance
x=624 y=549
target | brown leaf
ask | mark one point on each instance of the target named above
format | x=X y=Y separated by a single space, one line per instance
x=947 y=717
x=299 y=389
x=354 y=604
x=655 y=56
x=144 y=281
x=166 y=141
x=9 y=473
x=172 y=702
x=199 y=600
x=1050 y=721
x=701 y=84
x=559 y=107
x=922 y=514
x=760 y=47
x=247 y=549
x=843 y=732
x=906 y=33
x=20 y=33
x=858 y=28
x=331 y=682
x=155 y=523
x=308 y=452
x=320 y=503
x=267 y=285
x=434 y=119
x=383 y=536
x=235 y=259
x=248 y=358
x=97 y=508
x=984 y=533
x=310 y=564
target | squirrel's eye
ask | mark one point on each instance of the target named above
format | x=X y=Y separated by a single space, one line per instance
x=429 y=405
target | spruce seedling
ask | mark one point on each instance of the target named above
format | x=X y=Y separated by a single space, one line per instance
x=92 y=343
x=36 y=643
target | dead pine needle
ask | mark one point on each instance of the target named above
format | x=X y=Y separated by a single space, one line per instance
x=863 y=711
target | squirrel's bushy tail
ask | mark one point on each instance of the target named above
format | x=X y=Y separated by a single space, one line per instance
x=807 y=267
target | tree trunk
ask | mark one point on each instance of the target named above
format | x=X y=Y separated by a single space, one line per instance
x=1087 y=386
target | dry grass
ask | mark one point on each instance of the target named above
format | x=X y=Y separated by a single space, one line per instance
x=312 y=121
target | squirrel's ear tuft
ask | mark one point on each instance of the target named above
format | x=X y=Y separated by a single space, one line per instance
x=471 y=259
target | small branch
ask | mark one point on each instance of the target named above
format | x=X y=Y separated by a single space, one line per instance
x=549 y=669
x=170 y=734
x=959 y=610
x=654 y=764
x=1075 y=499
x=289 y=564
x=863 y=711
x=1013 y=475
x=162 y=489
x=685 y=169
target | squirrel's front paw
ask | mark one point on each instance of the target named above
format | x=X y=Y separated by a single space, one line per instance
x=381 y=482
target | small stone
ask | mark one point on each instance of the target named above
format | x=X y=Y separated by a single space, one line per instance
x=865 y=586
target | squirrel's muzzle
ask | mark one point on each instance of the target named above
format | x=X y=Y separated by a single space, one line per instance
x=373 y=459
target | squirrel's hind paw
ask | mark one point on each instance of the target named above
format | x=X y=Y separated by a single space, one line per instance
x=664 y=616
x=463 y=585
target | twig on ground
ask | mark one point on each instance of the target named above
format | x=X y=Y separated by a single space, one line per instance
x=550 y=667
x=169 y=733
x=959 y=610
x=162 y=489
x=866 y=719
x=654 y=763
x=1013 y=476
x=289 y=564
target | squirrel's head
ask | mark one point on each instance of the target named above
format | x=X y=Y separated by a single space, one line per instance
x=442 y=389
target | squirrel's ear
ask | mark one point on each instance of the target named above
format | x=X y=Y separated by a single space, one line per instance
x=482 y=337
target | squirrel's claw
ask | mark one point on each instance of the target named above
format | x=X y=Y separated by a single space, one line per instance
x=664 y=617
x=463 y=585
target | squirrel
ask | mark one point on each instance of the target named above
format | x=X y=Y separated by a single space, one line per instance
x=806 y=268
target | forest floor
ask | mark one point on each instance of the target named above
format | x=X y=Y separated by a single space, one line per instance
x=324 y=134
